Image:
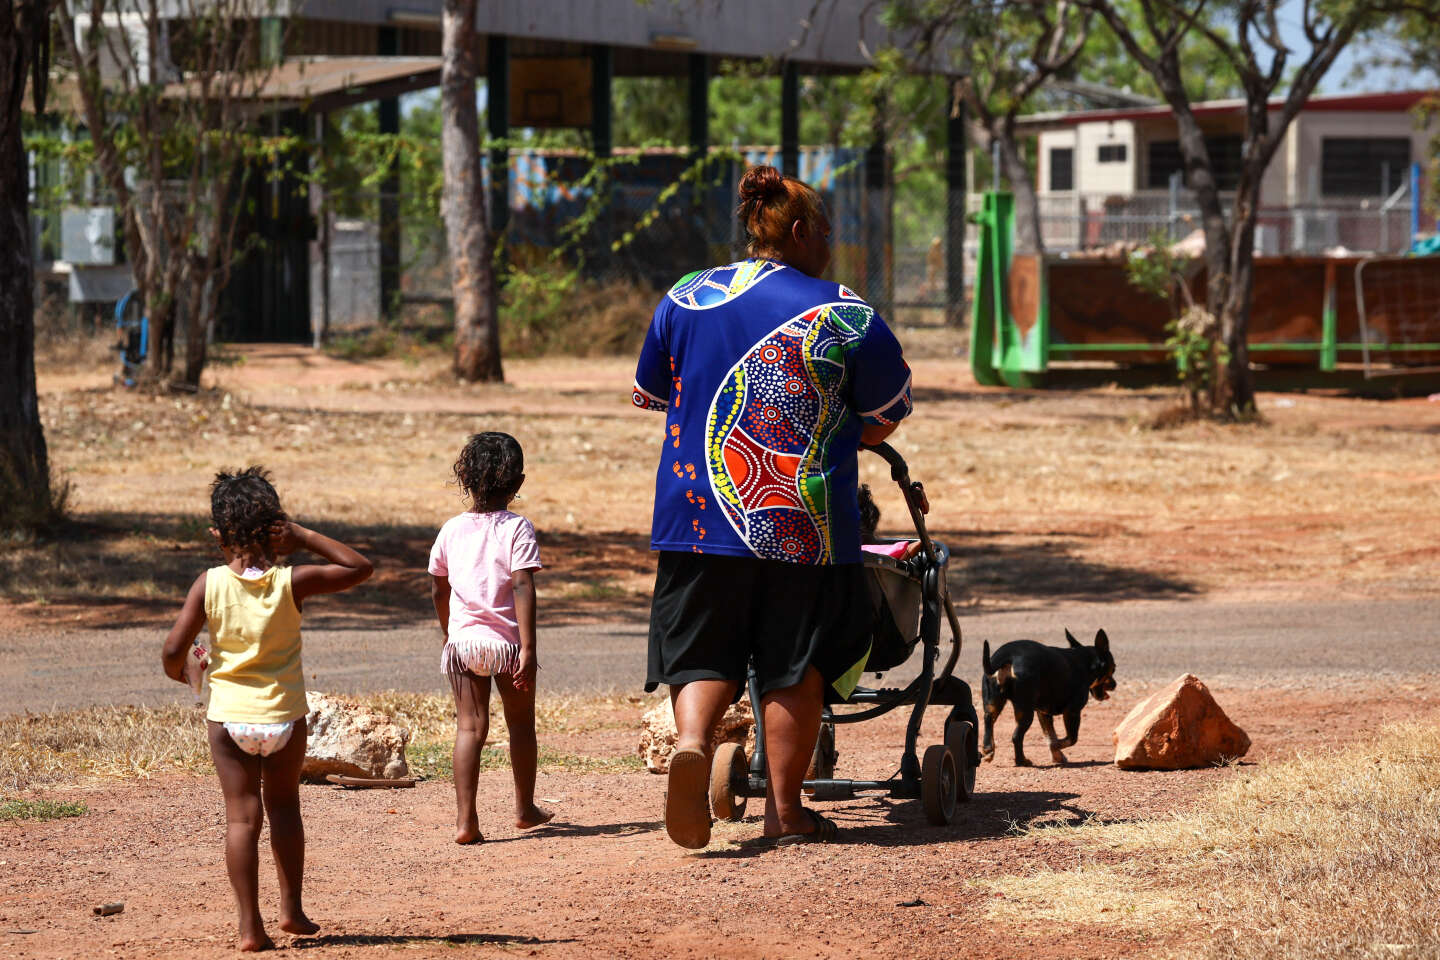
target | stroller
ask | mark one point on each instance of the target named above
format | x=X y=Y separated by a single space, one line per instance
x=909 y=597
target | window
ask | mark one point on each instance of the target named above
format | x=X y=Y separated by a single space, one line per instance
x=1062 y=169
x=1164 y=159
x=1112 y=153
x=1363 y=166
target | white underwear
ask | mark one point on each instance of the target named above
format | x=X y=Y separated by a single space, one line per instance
x=260 y=739
x=485 y=656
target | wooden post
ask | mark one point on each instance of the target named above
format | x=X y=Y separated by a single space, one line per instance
x=957 y=197
x=320 y=245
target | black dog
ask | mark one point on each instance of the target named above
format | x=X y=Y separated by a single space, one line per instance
x=1047 y=681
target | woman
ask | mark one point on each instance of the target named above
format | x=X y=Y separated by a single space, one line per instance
x=770 y=378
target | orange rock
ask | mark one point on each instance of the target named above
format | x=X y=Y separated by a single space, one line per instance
x=1178 y=727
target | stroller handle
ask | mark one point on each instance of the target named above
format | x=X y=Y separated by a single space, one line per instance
x=918 y=505
x=899 y=472
x=913 y=493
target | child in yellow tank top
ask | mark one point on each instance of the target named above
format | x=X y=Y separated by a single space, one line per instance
x=256 y=718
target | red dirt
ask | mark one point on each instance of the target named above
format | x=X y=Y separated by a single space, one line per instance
x=603 y=881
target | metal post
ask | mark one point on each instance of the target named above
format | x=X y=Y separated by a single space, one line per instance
x=602 y=74
x=1385 y=207
x=699 y=105
x=389 y=111
x=957 y=193
x=497 y=111
x=1414 y=203
x=790 y=120
x=995 y=166
x=1175 y=180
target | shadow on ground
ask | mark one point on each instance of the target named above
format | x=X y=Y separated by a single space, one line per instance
x=124 y=569
x=1049 y=570
x=417 y=940
x=901 y=823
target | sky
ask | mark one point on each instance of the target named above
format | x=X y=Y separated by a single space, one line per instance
x=1342 y=76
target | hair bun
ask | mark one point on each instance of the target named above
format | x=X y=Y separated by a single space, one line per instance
x=761 y=183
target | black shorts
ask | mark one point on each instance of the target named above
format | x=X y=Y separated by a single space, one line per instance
x=713 y=613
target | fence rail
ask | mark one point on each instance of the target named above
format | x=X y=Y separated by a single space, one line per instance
x=1087 y=221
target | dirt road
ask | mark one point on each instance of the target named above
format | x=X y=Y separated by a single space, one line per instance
x=1283 y=644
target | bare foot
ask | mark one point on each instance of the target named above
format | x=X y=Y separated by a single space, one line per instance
x=533 y=817
x=256 y=943
x=300 y=924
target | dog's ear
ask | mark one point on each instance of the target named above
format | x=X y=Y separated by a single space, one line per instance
x=1102 y=642
x=1071 y=637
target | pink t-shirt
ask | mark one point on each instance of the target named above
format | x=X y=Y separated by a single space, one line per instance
x=479 y=552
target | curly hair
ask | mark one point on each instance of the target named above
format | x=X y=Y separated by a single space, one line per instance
x=243 y=508
x=869 y=514
x=769 y=203
x=490 y=468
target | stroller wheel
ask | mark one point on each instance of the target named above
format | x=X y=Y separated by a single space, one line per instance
x=939 y=784
x=960 y=737
x=729 y=776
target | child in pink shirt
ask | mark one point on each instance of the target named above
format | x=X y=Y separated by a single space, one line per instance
x=483 y=586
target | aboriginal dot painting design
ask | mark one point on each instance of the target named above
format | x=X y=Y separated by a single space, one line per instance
x=769 y=431
x=711 y=288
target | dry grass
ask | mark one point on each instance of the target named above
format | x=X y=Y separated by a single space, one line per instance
x=1329 y=854
x=121 y=743
x=1056 y=494
x=100 y=743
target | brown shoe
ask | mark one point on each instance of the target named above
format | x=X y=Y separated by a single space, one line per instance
x=687 y=807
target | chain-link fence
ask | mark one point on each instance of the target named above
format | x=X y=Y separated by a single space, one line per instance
x=649 y=219
x=1094 y=221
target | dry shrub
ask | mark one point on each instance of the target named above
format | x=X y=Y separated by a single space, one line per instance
x=121 y=743
x=1329 y=854
x=551 y=311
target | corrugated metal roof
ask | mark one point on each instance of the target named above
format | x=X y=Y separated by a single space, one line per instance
x=835 y=33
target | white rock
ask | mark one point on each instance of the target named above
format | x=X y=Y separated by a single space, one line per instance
x=657 y=732
x=352 y=740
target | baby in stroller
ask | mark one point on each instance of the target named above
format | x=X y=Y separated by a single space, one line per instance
x=870 y=522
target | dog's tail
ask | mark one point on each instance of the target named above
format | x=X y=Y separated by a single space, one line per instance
x=999 y=679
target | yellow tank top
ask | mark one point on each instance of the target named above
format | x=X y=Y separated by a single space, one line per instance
x=255 y=672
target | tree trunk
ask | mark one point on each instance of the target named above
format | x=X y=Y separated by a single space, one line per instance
x=25 y=499
x=196 y=346
x=467 y=230
x=1028 y=235
x=1234 y=386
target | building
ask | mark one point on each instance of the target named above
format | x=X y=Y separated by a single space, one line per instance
x=546 y=63
x=1341 y=177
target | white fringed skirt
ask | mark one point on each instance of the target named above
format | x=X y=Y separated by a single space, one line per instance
x=482 y=656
